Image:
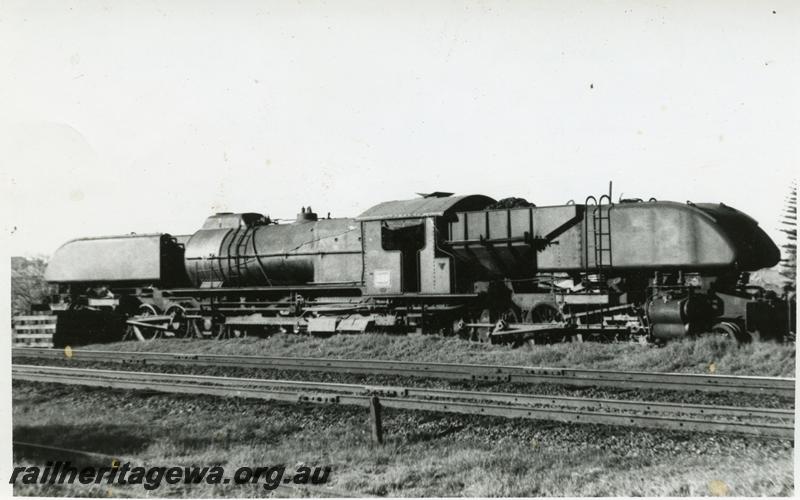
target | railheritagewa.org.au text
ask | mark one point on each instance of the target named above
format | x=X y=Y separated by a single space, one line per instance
x=269 y=477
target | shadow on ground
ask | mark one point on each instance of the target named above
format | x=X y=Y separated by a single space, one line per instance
x=113 y=440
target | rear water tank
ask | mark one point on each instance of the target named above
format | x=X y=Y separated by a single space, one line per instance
x=702 y=237
x=135 y=259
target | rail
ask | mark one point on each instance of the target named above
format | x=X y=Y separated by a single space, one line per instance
x=752 y=421
x=517 y=374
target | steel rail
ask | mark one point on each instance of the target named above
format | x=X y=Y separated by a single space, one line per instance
x=452 y=371
x=420 y=392
x=223 y=386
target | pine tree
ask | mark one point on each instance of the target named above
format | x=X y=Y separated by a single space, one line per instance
x=788 y=266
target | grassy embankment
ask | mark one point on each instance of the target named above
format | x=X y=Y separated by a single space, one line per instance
x=704 y=355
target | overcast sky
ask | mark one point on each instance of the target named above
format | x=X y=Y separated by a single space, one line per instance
x=121 y=116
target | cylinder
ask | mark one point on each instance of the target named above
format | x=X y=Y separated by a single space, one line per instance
x=671 y=311
x=666 y=331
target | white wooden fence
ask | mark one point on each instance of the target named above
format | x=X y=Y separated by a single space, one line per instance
x=33 y=331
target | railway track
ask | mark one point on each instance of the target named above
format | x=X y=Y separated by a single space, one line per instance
x=779 y=386
x=775 y=423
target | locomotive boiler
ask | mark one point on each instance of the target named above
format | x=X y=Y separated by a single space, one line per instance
x=247 y=250
x=464 y=265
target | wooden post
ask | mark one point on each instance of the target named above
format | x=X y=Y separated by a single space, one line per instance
x=375 y=414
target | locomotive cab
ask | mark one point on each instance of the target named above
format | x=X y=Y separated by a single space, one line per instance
x=403 y=239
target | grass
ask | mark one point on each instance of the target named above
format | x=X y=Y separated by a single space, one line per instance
x=703 y=355
x=424 y=455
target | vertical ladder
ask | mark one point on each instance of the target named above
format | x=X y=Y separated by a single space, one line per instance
x=601 y=222
x=586 y=267
x=601 y=240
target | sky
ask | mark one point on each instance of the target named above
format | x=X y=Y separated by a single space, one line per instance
x=140 y=116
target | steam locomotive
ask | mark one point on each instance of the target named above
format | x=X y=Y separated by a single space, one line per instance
x=504 y=271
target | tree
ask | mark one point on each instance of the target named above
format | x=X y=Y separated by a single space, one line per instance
x=788 y=266
x=28 y=287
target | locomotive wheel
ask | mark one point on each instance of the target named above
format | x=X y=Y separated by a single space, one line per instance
x=527 y=315
x=510 y=316
x=730 y=330
x=222 y=331
x=196 y=328
x=208 y=328
x=177 y=321
x=141 y=333
x=229 y=332
x=458 y=327
x=548 y=313
x=481 y=334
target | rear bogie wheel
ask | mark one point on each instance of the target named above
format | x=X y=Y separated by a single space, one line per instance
x=731 y=330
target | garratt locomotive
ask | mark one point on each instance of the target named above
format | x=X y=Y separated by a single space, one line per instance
x=464 y=265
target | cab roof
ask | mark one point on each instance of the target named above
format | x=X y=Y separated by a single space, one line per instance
x=430 y=206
